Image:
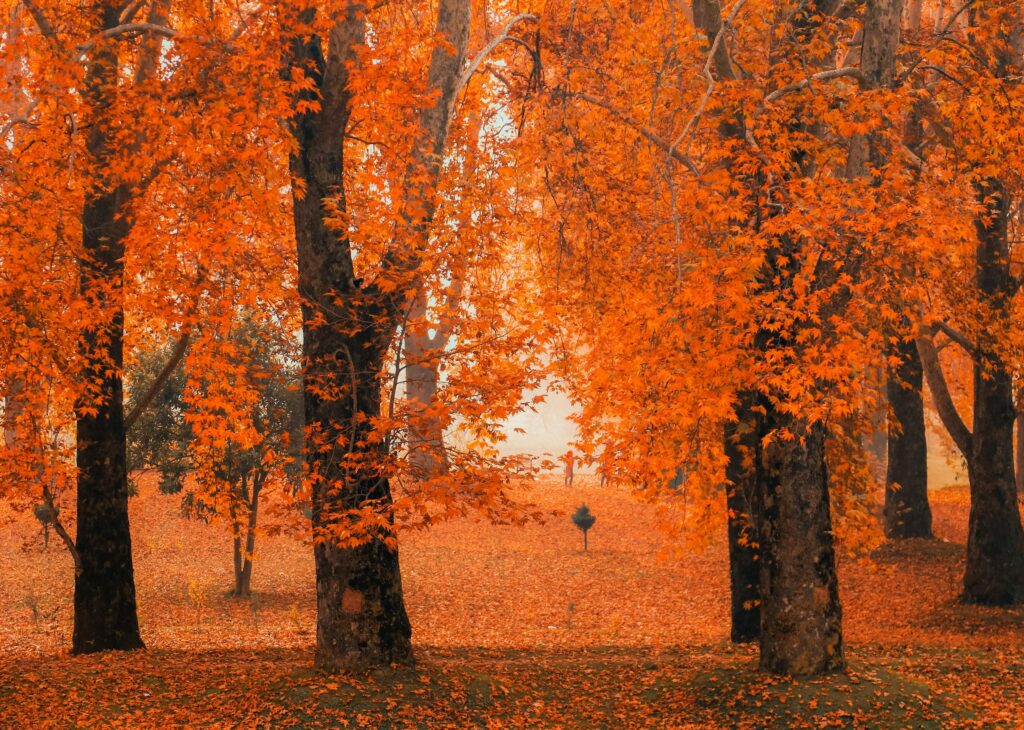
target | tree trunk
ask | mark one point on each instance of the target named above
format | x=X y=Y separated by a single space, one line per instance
x=876 y=441
x=243 y=560
x=742 y=448
x=801 y=620
x=427 y=455
x=907 y=512
x=347 y=328
x=995 y=541
x=105 y=610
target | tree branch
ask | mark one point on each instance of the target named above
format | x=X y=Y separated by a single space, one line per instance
x=939 y=37
x=489 y=48
x=835 y=73
x=58 y=527
x=161 y=380
x=642 y=130
x=958 y=337
x=43 y=24
x=940 y=395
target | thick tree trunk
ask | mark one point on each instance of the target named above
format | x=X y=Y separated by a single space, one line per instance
x=347 y=328
x=105 y=610
x=801 y=619
x=907 y=512
x=995 y=541
x=742 y=448
x=361 y=617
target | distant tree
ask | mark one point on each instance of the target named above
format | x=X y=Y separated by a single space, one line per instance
x=235 y=442
x=584 y=520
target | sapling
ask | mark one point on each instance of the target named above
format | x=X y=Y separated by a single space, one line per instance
x=584 y=520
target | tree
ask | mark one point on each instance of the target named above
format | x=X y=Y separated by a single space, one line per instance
x=975 y=309
x=363 y=263
x=233 y=424
x=906 y=511
x=103 y=99
x=584 y=520
x=745 y=208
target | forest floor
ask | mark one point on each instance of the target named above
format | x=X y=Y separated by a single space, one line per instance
x=513 y=626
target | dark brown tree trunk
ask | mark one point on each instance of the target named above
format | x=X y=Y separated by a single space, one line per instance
x=105 y=610
x=361 y=617
x=347 y=328
x=742 y=448
x=995 y=541
x=907 y=512
x=801 y=619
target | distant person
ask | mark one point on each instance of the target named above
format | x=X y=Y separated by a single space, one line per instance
x=604 y=468
x=570 y=462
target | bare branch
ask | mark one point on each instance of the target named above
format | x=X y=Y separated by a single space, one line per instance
x=835 y=73
x=130 y=11
x=124 y=29
x=58 y=527
x=958 y=337
x=938 y=39
x=489 y=48
x=724 y=68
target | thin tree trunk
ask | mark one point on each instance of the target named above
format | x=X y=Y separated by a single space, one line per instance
x=105 y=609
x=427 y=455
x=907 y=512
x=236 y=539
x=243 y=583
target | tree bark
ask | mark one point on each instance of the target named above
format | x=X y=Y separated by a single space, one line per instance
x=348 y=329
x=244 y=554
x=995 y=541
x=105 y=610
x=907 y=512
x=801 y=619
x=427 y=454
x=361 y=617
x=742 y=448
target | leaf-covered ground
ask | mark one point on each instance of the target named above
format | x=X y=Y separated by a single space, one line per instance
x=515 y=627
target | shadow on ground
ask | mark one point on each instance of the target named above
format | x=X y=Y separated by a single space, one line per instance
x=604 y=687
